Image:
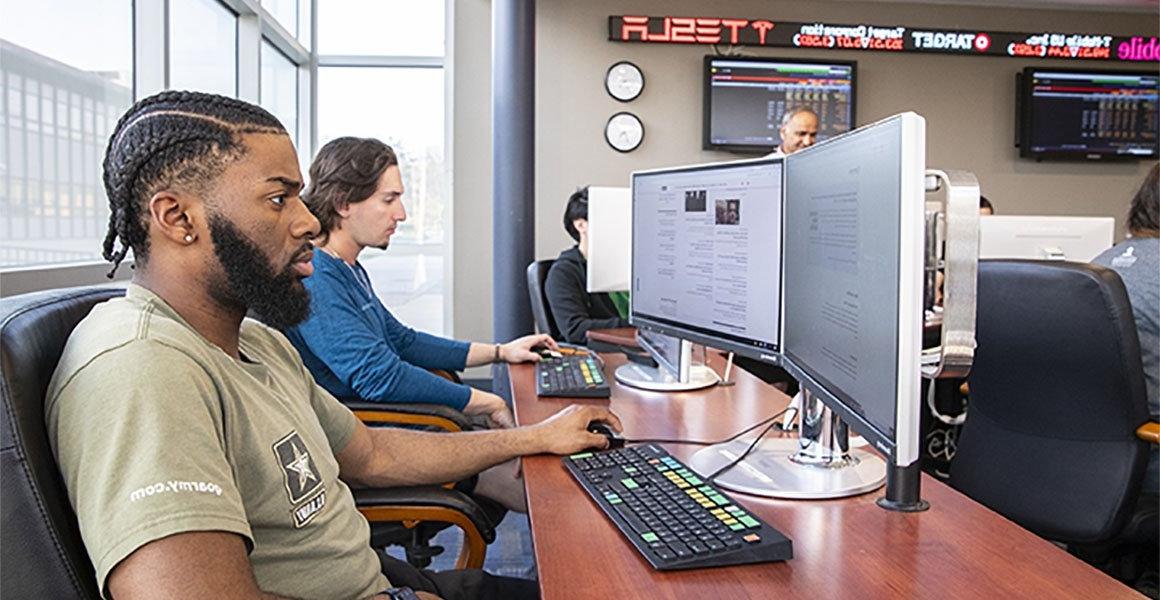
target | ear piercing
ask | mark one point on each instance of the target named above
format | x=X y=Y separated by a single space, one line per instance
x=189 y=238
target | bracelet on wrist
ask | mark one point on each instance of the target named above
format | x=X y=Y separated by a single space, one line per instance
x=496 y=358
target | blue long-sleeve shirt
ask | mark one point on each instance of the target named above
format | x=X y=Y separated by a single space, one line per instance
x=357 y=350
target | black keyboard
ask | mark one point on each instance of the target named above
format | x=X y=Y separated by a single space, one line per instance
x=572 y=376
x=675 y=520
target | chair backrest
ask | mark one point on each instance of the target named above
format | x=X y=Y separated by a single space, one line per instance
x=1057 y=392
x=537 y=273
x=42 y=555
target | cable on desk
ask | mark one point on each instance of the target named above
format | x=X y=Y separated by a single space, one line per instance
x=713 y=478
x=711 y=443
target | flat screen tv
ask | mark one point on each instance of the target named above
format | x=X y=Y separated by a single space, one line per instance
x=745 y=98
x=1075 y=114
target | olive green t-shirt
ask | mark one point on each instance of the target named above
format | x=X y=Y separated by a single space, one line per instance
x=158 y=432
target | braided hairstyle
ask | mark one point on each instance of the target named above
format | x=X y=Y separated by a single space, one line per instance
x=171 y=139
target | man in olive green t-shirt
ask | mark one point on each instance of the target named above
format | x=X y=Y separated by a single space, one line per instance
x=199 y=455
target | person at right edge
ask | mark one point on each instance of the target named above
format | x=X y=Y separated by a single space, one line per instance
x=1137 y=260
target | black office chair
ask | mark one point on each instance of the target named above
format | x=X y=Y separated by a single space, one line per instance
x=41 y=553
x=1056 y=397
x=537 y=273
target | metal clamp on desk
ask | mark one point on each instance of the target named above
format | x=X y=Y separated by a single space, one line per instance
x=956 y=352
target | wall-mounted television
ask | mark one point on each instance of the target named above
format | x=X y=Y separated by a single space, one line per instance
x=1077 y=114
x=745 y=98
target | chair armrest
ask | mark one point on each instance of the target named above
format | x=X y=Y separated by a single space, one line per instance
x=436 y=415
x=1149 y=432
x=451 y=376
x=414 y=505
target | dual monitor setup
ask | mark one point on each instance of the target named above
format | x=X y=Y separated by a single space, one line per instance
x=812 y=262
x=1060 y=113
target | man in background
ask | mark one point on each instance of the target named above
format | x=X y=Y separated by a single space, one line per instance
x=799 y=129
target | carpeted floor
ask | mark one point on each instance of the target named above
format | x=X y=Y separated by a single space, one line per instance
x=509 y=555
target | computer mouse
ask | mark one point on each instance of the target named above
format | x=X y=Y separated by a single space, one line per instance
x=600 y=428
x=546 y=352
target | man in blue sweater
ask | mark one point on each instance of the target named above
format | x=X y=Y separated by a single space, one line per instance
x=351 y=343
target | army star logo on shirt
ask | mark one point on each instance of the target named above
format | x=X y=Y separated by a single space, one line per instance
x=301 y=477
x=301 y=466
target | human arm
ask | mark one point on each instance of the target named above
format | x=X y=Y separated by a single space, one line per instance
x=350 y=336
x=516 y=351
x=567 y=294
x=202 y=564
x=199 y=564
x=388 y=457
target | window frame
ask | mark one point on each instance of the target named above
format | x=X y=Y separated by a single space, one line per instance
x=405 y=61
x=150 y=29
x=151 y=70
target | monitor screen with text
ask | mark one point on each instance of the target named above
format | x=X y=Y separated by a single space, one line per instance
x=706 y=248
x=847 y=271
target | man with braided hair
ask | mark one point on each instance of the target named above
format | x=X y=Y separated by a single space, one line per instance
x=199 y=455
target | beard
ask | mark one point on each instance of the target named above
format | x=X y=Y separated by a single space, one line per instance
x=277 y=297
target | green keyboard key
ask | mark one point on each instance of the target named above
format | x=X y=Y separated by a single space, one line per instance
x=649 y=536
x=749 y=521
x=581 y=455
x=629 y=483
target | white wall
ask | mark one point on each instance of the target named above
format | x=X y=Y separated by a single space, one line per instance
x=968 y=103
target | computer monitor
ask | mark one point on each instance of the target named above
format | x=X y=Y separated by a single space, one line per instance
x=853 y=259
x=745 y=98
x=852 y=265
x=1084 y=114
x=1075 y=239
x=609 y=239
x=706 y=250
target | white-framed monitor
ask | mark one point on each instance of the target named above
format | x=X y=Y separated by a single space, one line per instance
x=1075 y=239
x=706 y=250
x=853 y=256
x=609 y=239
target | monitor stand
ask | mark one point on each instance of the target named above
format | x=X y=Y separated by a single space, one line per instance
x=817 y=465
x=658 y=379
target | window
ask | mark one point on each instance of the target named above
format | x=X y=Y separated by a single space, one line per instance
x=380 y=27
x=285 y=12
x=404 y=108
x=203 y=47
x=280 y=88
x=64 y=84
x=381 y=75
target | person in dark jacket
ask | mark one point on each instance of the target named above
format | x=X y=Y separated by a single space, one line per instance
x=574 y=310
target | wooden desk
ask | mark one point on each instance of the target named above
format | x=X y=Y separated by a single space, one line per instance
x=619 y=336
x=847 y=548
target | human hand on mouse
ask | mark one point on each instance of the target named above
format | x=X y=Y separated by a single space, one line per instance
x=522 y=349
x=566 y=432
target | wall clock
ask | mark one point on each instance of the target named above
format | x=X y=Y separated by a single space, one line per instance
x=624 y=132
x=624 y=81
